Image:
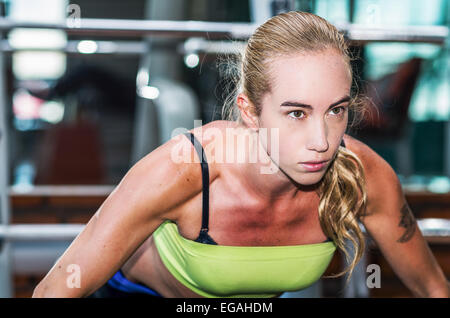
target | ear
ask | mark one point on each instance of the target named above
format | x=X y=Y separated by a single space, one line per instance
x=247 y=110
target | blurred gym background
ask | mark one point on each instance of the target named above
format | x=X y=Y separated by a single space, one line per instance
x=87 y=88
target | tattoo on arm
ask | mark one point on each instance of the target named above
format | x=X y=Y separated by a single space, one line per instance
x=407 y=221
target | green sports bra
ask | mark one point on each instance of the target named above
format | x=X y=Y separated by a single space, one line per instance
x=212 y=270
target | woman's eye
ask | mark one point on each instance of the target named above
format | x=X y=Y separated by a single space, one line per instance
x=340 y=109
x=297 y=114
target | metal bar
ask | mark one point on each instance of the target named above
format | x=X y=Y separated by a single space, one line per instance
x=199 y=45
x=64 y=190
x=40 y=232
x=426 y=34
x=430 y=227
x=100 y=47
x=434 y=227
x=227 y=30
x=123 y=27
x=419 y=190
x=6 y=285
x=35 y=258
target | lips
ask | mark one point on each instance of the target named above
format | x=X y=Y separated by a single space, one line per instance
x=314 y=162
x=312 y=167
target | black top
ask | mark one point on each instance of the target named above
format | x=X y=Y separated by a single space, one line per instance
x=204 y=237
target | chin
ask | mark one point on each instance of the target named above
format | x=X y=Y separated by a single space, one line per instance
x=309 y=178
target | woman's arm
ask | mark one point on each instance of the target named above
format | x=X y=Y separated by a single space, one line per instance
x=391 y=224
x=146 y=196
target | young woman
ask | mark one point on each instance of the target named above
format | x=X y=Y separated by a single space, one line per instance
x=258 y=228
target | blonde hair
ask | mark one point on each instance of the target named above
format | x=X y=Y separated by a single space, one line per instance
x=342 y=189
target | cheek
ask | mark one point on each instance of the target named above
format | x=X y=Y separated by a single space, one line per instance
x=280 y=143
x=338 y=129
x=290 y=145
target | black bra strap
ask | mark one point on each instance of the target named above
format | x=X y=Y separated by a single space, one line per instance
x=203 y=236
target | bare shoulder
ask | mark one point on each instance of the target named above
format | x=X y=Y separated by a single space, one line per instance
x=212 y=128
x=381 y=179
x=372 y=161
x=213 y=138
x=171 y=171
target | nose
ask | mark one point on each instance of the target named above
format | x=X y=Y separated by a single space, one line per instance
x=317 y=139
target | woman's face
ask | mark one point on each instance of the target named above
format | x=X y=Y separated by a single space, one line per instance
x=308 y=106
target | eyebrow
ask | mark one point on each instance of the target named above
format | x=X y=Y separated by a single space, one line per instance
x=298 y=104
